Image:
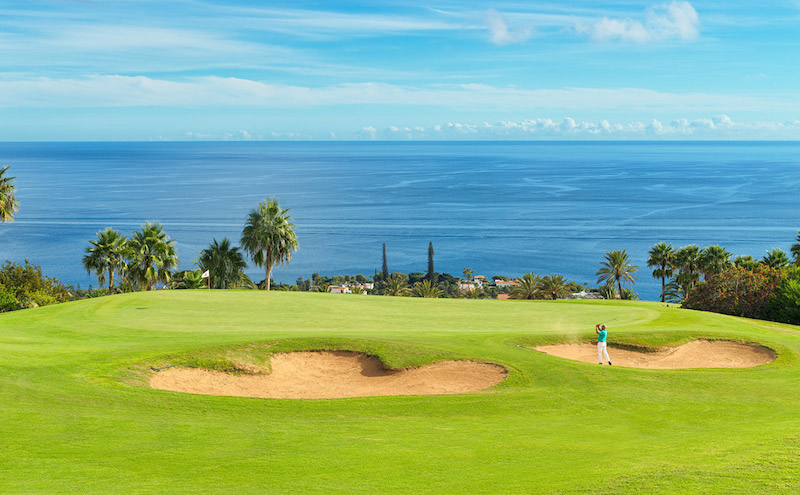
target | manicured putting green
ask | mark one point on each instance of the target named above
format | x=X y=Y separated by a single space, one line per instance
x=77 y=414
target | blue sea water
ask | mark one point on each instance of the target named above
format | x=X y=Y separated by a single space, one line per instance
x=499 y=208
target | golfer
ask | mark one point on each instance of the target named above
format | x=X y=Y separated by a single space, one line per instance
x=601 y=343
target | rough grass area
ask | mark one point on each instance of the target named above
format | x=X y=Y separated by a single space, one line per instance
x=73 y=420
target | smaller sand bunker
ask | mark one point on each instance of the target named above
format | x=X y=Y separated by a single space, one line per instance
x=333 y=375
x=696 y=354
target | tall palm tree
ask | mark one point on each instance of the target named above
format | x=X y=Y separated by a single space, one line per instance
x=776 y=258
x=689 y=262
x=396 y=286
x=8 y=203
x=662 y=256
x=554 y=287
x=224 y=264
x=106 y=255
x=796 y=250
x=153 y=255
x=425 y=289
x=617 y=267
x=268 y=236
x=714 y=259
x=528 y=287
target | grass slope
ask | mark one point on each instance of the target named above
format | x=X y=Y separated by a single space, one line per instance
x=75 y=418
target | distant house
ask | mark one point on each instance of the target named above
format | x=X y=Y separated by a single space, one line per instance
x=366 y=286
x=503 y=283
x=503 y=296
x=479 y=280
x=466 y=286
x=339 y=289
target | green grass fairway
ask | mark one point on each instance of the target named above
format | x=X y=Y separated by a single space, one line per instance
x=75 y=417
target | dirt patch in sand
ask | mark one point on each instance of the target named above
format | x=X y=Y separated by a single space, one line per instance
x=697 y=354
x=333 y=375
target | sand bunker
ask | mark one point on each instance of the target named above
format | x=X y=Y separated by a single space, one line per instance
x=333 y=375
x=697 y=354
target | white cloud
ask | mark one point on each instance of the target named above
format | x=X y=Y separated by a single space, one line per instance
x=140 y=91
x=675 y=20
x=499 y=31
x=719 y=127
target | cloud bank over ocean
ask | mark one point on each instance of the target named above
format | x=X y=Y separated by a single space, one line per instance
x=719 y=127
x=406 y=70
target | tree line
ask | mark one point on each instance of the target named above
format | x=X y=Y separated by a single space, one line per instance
x=149 y=257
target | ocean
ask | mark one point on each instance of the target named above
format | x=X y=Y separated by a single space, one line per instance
x=500 y=208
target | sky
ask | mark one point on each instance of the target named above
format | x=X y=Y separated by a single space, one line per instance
x=97 y=70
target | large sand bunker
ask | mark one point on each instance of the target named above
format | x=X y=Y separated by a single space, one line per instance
x=333 y=375
x=697 y=354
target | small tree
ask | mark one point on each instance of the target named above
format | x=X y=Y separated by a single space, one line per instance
x=396 y=286
x=468 y=273
x=776 y=258
x=554 y=287
x=714 y=259
x=152 y=256
x=528 y=288
x=385 y=266
x=8 y=202
x=425 y=289
x=662 y=256
x=106 y=255
x=268 y=236
x=689 y=264
x=431 y=275
x=617 y=267
x=795 y=250
x=224 y=263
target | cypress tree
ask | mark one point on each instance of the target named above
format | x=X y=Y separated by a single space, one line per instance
x=431 y=272
x=385 y=268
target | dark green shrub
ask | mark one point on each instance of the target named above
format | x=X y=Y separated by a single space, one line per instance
x=737 y=291
x=785 y=306
x=7 y=301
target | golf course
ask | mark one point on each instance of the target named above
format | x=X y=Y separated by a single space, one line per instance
x=78 y=413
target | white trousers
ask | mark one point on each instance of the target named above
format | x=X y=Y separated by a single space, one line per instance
x=602 y=349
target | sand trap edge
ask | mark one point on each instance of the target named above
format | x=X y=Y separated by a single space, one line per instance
x=668 y=357
x=327 y=374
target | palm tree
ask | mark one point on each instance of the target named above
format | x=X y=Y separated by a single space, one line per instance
x=106 y=255
x=617 y=267
x=528 y=287
x=425 y=289
x=268 y=236
x=689 y=262
x=554 y=287
x=224 y=264
x=747 y=262
x=662 y=256
x=8 y=203
x=153 y=255
x=676 y=292
x=192 y=280
x=796 y=250
x=714 y=259
x=776 y=258
x=396 y=286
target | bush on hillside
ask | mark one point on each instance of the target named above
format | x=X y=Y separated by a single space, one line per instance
x=737 y=291
x=8 y=302
x=785 y=306
x=28 y=287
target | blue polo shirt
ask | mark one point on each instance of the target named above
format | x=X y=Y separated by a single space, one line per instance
x=601 y=337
